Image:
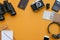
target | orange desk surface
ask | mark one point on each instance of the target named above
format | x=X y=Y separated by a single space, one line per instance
x=28 y=25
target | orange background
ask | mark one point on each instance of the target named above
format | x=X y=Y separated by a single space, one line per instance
x=28 y=25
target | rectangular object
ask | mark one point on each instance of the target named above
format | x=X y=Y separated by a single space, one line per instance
x=6 y=35
x=48 y=15
x=22 y=4
x=56 y=6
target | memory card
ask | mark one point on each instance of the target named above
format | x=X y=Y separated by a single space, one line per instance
x=22 y=4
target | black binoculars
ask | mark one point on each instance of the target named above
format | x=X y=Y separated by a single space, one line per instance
x=6 y=7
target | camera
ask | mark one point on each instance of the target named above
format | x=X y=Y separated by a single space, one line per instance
x=37 y=4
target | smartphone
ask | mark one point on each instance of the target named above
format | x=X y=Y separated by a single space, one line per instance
x=56 y=6
x=22 y=4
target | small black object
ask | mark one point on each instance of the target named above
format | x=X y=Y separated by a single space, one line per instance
x=9 y=8
x=1 y=18
x=54 y=35
x=37 y=5
x=46 y=38
x=47 y=6
x=12 y=12
x=56 y=6
x=2 y=12
x=22 y=4
x=58 y=35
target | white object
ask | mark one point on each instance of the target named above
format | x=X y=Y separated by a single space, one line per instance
x=46 y=36
x=6 y=35
x=48 y=15
x=58 y=0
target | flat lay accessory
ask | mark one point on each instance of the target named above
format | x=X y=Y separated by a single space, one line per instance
x=54 y=35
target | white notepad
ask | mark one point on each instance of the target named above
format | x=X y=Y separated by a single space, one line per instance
x=6 y=35
x=48 y=15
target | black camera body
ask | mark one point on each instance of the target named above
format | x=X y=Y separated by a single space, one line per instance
x=37 y=5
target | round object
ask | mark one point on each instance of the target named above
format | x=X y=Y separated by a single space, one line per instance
x=54 y=35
